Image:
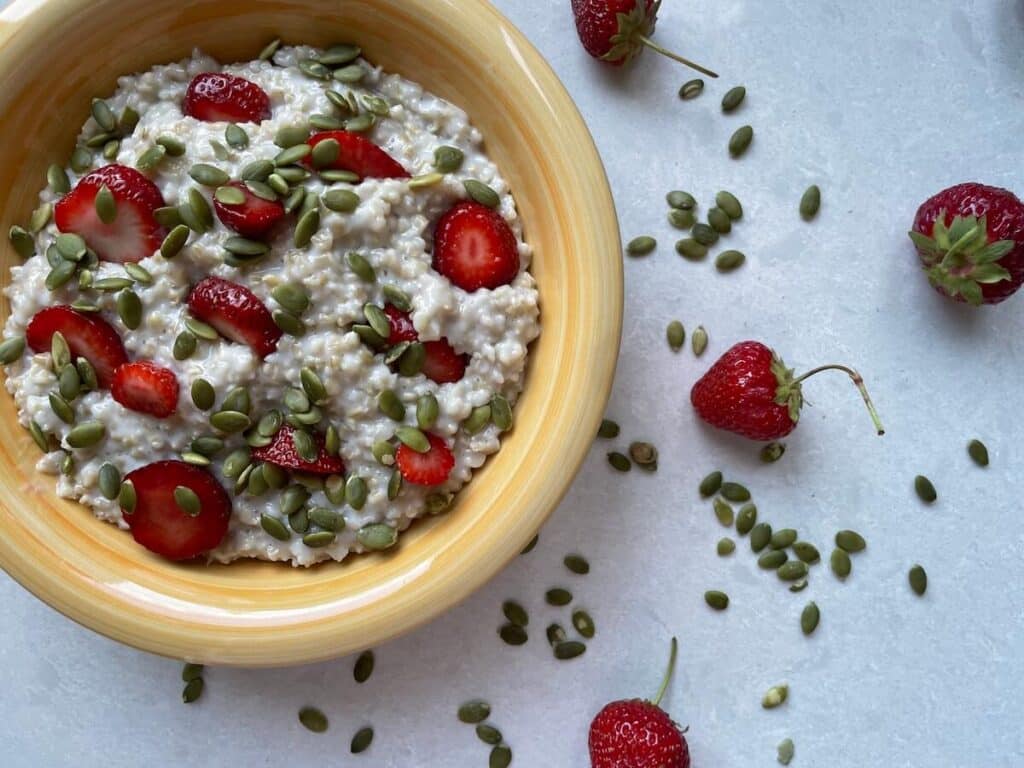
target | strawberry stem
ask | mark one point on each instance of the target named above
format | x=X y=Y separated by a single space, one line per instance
x=656 y=701
x=674 y=56
x=858 y=381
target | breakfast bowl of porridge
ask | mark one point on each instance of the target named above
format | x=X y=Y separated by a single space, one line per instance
x=309 y=316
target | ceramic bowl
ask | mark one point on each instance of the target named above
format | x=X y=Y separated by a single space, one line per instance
x=55 y=55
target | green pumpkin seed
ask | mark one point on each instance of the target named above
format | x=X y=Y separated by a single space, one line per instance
x=312 y=385
x=86 y=434
x=340 y=200
x=358 y=264
x=274 y=186
x=237 y=399
x=168 y=216
x=150 y=158
x=735 y=492
x=397 y=297
x=644 y=455
x=175 y=241
x=473 y=712
x=322 y=122
x=174 y=146
x=782 y=538
x=236 y=463
x=295 y=200
x=675 y=334
x=242 y=246
x=361 y=741
x=730 y=204
x=53 y=257
x=349 y=75
x=99 y=140
x=792 y=570
x=376 y=105
x=103 y=116
x=806 y=552
x=719 y=221
x=325 y=153
x=293 y=499
x=296 y=400
x=681 y=219
x=478 y=418
x=219 y=150
x=314 y=69
x=683 y=201
x=746 y=519
x=294 y=174
x=41 y=217
x=918 y=580
x=810 y=202
x=384 y=452
x=11 y=350
x=558 y=596
x=82 y=305
x=641 y=246
x=271 y=48
x=725 y=547
x=334 y=489
x=413 y=438
x=772 y=452
x=139 y=274
x=740 y=140
x=481 y=193
x=22 y=242
x=448 y=159
x=356 y=492
x=60 y=353
x=187 y=500
x=229 y=195
x=775 y=696
x=501 y=413
x=292 y=155
x=230 y=421
x=723 y=512
x=111 y=284
x=308 y=224
x=87 y=374
x=127 y=497
x=809 y=618
x=515 y=613
x=840 y=563
x=564 y=651
x=727 y=261
x=81 y=160
x=67 y=465
x=106 y=205
x=207 y=445
x=298 y=521
x=62 y=408
x=184 y=345
x=785 y=751
x=377 y=537
x=411 y=363
x=556 y=634
x=191 y=671
x=608 y=429
x=208 y=175
x=583 y=623
x=716 y=599
x=427 y=410
x=690 y=249
x=38 y=436
x=711 y=484
x=319 y=539
x=275 y=528
x=313 y=719
x=71 y=246
x=577 y=564
x=327 y=519
x=619 y=462
x=236 y=136
x=288 y=323
x=704 y=234
x=691 y=89
x=978 y=453
x=850 y=541
x=733 y=98
x=304 y=444
x=394 y=485
x=193 y=690
x=699 y=341
x=360 y=123
x=363 y=667
x=925 y=490
x=390 y=405
x=488 y=734
x=57 y=180
x=292 y=297
x=772 y=559
x=129 y=308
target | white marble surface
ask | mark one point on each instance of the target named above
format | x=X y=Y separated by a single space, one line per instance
x=881 y=104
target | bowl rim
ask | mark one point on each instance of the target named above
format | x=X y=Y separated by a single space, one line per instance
x=82 y=598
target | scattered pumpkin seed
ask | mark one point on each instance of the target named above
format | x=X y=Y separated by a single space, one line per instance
x=515 y=613
x=237 y=399
x=619 y=462
x=733 y=98
x=340 y=200
x=711 y=484
x=530 y=545
x=86 y=434
x=427 y=411
x=925 y=490
x=785 y=751
x=129 y=308
x=918 y=580
x=978 y=453
x=356 y=492
x=62 y=408
x=171 y=145
x=236 y=136
x=377 y=536
x=274 y=187
x=675 y=334
x=723 y=512
x=501 y=413
x=232 y=421
x=850 y=541
x=208 y=175
x=207 y=445
x=682 y=200
x=473 y=712
x=362 y=740
x=840 y=563
x=363 y=667
x=716 y=599
x=105 y=205
x=565 y=651
x=727 y=261
x=481 y=193
x=725 y=547
x=772 y=559
x=103 y=116
x=87 y=374
x=71 y=246
x=358 y=264
x=349 y=75
x=360 y=123
x=168 y=216
x=99 y=140
x=608 y=429
x=322 y=122
x=175 y=241
x=735 y=492
x=558 y=596
x=40 y=218
x=187 y=500
x=319 y=539
x=81 y=160
x=22 y=242
x=138 y=273
x=297 y=174
x=555 y=634
x=193 y=690
x=411 y=362
x=38 y=436
x=478 y=418
x=413 y=438
x=325 y=153
x=327 y=519
x=582 y=622
x=691 y=89
x=746 y=518
x=288 y=322
x=390 y=405
x=806 y=552
x=69 y=382
x=292 y=297
x=775 y=696
x=57 y=180
x=11 y=350
x=60 y=352
x=271 y=48
x=719 y=220
x=681 y=219
x=792 y=570
x=809 y=618
x=111 y=284
x=641 y=246
x=810 y=202
x=314 y=69
x=448 y=159
x=191 y=672
x=274 y=527
x=740 y=141
x=312 y=385
x=291 y=155
x=243 y=246
x=488 y=734
x=203 y=394
x=229 y=195
x=376 y=105
x=784 y=537
x=127 y=497
x=577 y=564
x=703 y=234
x=644 y=455
x=308 y=224
x=313 y=719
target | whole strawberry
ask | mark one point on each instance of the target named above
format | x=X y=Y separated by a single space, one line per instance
x=633 y=733
x=751 y=392
x=971 y=242
x=617 y=31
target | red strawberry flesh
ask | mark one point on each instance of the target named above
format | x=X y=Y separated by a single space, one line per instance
x=361 y=156
x=430 y=468
x=146 y=387
x=402 y=328
x=442 y=364
x=219 y=97
x=236 y=312
x=87 y=335
x=475 y=248
x=253 y=218
x=282 y=453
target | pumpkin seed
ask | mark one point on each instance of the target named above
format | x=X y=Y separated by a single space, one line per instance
x=376 y=105
x=296 y=400
x=719 y=220
x=806 y=552
x=733 y=98
x=619 y=462
x=236 y=136
x=175 y=241
x=792 y=570
x=82 y=305
x=411 y=362
x=925 y=490
x=727 y=261
x=740 y=141
x=564 y=651
x=473 y=712
x=850 y=541
x=978 y=453
x=229 y=195
x=384 y=452
x=139 y=274
x=730 y=204
x=312 y=385
x=168 y=216
x=105 y=205
x=69 y=382
x=810 y=202
x=746 y=519
x=735 y=492
x=127 y=497
x=704 y=234
x=394 y=485
x=173 y=146
x=40 y=218
x=413 y=438
x=292 y=155
x=208 y=175
x=681 y=219
x=515 y=613
x=242 y=246
x=11 y=350
x=427 y=410
x=582 y=622
x=71 y=246
x=237 y=399
x=556 y=634
x=294 y=175
x=448 y=159
x=332 y=441
x=641 y=246
x=319 y=539
x=681 y=200
x=725 y=546
x=53 y=257
x=478 y=418
x=274 y=527
x=207 y=445
x=397 y=298
x=313 y=719
x=86 y=434
x=772 y=559
x=129 y=308
x=772 y=452
x=644 y=455
x=327 y=519
x=57 y=180
x=288 y=323
x=349 y=75
x=87 y=374
x=691 y=89
x=308 y=224
x=360 y=123
x=314 y=69
x=111 y=284
x=60 y=353
x=488 y=734
x=62 y=408
x=38 y=436
x=358 y=264
x=608 y=429
x=775 y=696
x=356 y=492
x=711 y=484
x=99 y=140
x=22 y=242
x=191 y=672
x=103 y=116
x=716 y=599
x=558 y=596
x=236 y=463
x=840 y=562
x=295 y=200
x=67 y=465
x=438 y=503
x=193 y=690
x=230 y=421
x=187 y=500
x=675 y=334
x=481 y=193
x=203 y=394
x=363 y=667
x=390 y=405
x=723 y=512
x=699 y=342
x=322 y=122
x=785 y=751
x=577 y=564
x=918 y=580
x=809 y=618
x=292 y=297
x=362 y=740
x=298 y=520
x=783 y=538
x=304 y=444
x=340 y=200
x=690 y=249
x=377 y=536
x=271 y=48
x=81 y=160
x=325 y=153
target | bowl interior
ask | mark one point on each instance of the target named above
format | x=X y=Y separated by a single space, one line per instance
x=255 y=613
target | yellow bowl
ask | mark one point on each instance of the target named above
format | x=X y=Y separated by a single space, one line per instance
x=54 y=56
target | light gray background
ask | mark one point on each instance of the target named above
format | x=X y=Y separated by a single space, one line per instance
x=881 y=104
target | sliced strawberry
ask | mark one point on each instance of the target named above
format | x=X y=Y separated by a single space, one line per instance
x=282 y=453
x=236 y=313
x=146 y=387
x=87 y=335
x=216 y=97
x=163 y=527
x=361 y=156
x=134 y=234
x=402 y=328
x=430 y=468
x=442 y=363
x=474 y=247
x=254 y=218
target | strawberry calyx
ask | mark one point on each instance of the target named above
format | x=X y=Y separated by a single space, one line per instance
x=959 y=259
x=634 y=34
